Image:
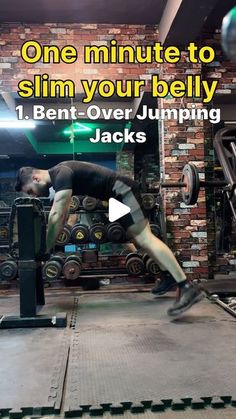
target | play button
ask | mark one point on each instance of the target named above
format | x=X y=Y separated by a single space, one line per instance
x=117 y=210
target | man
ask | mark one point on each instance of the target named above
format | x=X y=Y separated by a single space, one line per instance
x=81 y=178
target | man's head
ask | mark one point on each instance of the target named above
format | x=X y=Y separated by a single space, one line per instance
x=32 y=181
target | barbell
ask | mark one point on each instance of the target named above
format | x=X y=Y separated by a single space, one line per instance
x=190 y=184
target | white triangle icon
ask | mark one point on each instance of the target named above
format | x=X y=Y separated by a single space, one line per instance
x=116 y=210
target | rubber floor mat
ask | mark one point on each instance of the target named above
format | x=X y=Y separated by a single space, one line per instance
x=33 y=362
x=126 y=349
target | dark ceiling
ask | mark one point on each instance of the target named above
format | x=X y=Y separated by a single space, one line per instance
x=82 y=11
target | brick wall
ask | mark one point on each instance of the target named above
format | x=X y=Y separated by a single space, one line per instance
x=13 y=68
x=181 y=143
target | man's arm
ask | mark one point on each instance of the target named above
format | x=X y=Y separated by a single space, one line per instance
x=57 y=216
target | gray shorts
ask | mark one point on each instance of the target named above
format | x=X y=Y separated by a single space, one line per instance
x=126 y=191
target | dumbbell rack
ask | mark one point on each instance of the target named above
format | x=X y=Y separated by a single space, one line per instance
x=109 y=271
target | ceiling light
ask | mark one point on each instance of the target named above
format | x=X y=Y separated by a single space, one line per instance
x=13 y=124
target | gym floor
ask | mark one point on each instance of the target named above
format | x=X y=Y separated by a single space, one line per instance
x=120 y=354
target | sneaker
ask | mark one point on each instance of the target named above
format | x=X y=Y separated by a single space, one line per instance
x=189 y=295
x=166 y=284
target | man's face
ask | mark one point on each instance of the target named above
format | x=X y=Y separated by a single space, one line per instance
x=36 y=189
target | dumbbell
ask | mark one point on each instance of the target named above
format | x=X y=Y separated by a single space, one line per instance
x=151 y=266
x=102 y=204
x=155 y=229
x=98 y=233
x=53 y=268
x=72 y=267
x=89 y=203
x=116 y=233
x=8 y=270
x=148 y=201
x=64 y=236
x=134 y=264
x=80 y=233
x=74 y=203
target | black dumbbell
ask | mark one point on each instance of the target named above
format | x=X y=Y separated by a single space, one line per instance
x=89 y=203
x=74 y=203
x=80 y=233
x=148 y=201
x=151 y=266
x=64 y=236
x=116 y=233
x=103 y=205
x=98 y=233
x=134 y=264
x=53 y=268
x=8 y=270
x=72 y=267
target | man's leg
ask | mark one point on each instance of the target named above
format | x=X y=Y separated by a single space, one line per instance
x=158 y=251
x=189 y=294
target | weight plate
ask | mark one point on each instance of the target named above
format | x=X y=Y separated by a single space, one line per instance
x=152 y=267
x=64 y=236
x=89 y=203
x=116 y=233
x=58 y=258
x=74 y=203
x=74 y=257
x=190 y=192
x=134 y=264
x=148 y=201
x=98 y=233
x=8 y=270
x=71 y=270
x=52 y=270
x=80 y=233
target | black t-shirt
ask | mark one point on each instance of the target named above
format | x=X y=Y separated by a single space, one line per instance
x=83 y=178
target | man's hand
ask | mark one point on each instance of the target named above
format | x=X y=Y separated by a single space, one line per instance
x=57 y=216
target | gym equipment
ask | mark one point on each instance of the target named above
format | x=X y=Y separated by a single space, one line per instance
x=64 y=236
x=228 y=34
x=134 y=264
x=27 y=214
x=151 y=266
x=74 y=203
x=103 y=205
x=89 y=203
x=155 y=229
x=225 y=147
x=8 y=270
x=39 y=238
x=72 y=267
x=98 y=233
x=80 y=233
x=190 y=184
x=116 y=233
x=53 y=268
x=148 y=201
